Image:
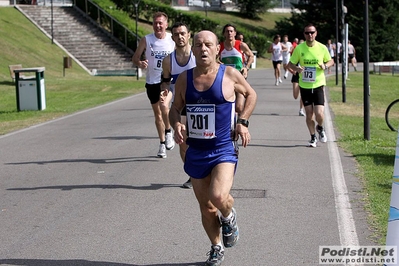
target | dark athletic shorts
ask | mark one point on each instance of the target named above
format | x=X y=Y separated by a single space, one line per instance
x=295 y=78
x=275 y=63
x=312 y=96
x=153 y=92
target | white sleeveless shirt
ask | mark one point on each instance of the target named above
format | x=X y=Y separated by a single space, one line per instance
x=176 y=69
x=277 y=54
x=156 y=51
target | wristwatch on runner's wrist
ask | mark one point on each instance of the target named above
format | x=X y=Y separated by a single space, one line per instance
x=243 y=122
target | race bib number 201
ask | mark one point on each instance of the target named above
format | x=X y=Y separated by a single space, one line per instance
x=201 y=121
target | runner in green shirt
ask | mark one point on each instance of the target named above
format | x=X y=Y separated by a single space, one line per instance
x=313 y=59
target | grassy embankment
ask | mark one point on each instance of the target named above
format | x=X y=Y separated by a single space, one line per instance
x=64 y=95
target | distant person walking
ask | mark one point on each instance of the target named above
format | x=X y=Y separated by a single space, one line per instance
x=352 y=55
x=313 y=58
x=157 y=46
x=286 y=55
x=240 y=37
x=294 y=44
x=295 y=86
x=175 y=63
x=337 y=52
x=330 y=48
x=276 y=49
x=208 y=91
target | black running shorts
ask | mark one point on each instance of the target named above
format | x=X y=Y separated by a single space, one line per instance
x=312 y=96
x=275 y=63
x=295 y=78
x=153 y=92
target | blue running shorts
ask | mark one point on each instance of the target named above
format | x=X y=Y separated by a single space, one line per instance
x=199 y=163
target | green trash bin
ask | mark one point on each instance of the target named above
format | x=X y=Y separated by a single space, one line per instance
x=30 y=90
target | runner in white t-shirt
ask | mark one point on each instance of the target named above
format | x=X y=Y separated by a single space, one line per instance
x=157 y=46
x=286 y=55
x=276 y=48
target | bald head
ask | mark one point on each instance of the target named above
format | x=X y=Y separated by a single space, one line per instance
x=207 y=35
x=205 y=48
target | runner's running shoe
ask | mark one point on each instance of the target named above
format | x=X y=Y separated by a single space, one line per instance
x=322 y=134
x=216 y=256
x=169 y=141
x=162 y=151
x=188 y=184
x=230 y=231
x=313 y=142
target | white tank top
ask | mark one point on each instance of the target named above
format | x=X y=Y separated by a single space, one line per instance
x=350 y=49
x=330 y=49
x=176 y=68
x=156 y=51
x=277 y=54
x=287 y=52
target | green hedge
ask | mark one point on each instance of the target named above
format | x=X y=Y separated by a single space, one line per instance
x=124 y=12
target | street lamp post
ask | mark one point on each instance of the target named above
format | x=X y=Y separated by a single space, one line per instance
x=136 y=6
x=52 y=23
x=344 y=53
x=336 y=42
x=366 y=84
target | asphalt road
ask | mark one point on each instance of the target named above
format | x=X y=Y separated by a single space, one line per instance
x=88 y=189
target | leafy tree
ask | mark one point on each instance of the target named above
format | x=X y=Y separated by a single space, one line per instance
x=255 y=37
x=251 y=8
x=383 y=25
x=383 y=30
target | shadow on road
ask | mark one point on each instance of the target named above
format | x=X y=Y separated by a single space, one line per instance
x=95 y=161
x=42 y=262
x=106 y=186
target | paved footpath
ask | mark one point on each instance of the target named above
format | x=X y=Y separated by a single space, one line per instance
x=88 y=189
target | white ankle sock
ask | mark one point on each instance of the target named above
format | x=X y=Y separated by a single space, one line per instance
x=220 y=245
x=229 y=217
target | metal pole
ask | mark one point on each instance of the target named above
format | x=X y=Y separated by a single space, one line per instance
x=366 y=85
x=136 y=5
x=336 y=42
x=52 y=23
x=344 y=55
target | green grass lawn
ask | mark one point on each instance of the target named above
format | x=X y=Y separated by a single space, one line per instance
x=375 y=157
x=75 y=91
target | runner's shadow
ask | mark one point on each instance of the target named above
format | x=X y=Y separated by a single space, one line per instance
x=106 y=186
x=40 y=262
x=94 y=161
x=126 y=137
x=277 y=146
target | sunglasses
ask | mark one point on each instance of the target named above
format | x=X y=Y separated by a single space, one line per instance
x=309 y=32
